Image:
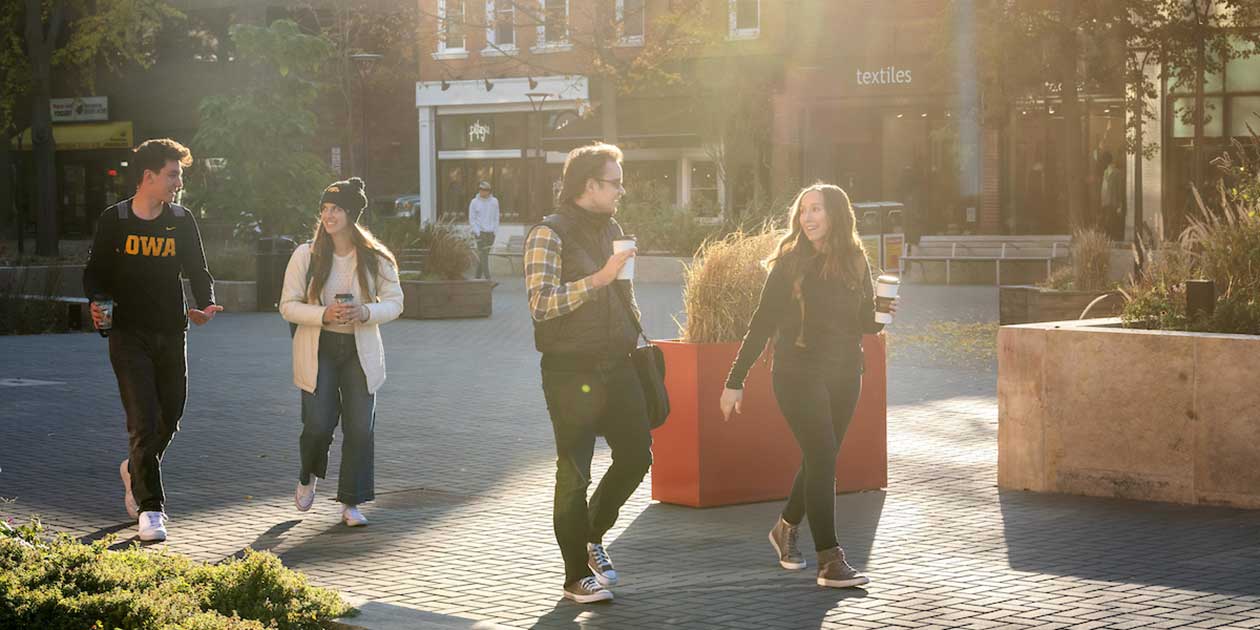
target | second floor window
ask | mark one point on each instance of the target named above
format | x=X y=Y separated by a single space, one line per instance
x=555 y=28
x=630 y=15
x=451 y=17
x=502 y=32
x=745 y=18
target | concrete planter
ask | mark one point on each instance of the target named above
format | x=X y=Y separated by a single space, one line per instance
x=1090 y=408
x=57 y=280
x=446 y=299
x=235 y=296
x=1024 y=304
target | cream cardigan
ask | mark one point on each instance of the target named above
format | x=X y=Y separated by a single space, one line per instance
x=309 y=319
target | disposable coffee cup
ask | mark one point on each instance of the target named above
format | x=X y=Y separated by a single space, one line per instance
x=885 y=292
x=344 y=298
x=106 y=306
x=621 y=245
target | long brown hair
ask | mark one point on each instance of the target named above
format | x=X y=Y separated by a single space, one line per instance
x=844 y=258
x=367 y=250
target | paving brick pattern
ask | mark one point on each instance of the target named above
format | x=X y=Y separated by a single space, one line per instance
x=462 y=524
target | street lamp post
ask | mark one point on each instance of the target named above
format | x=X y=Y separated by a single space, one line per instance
x=536 y=101
x=364 y=62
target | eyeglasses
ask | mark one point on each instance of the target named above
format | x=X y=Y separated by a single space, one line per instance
x=615 y=182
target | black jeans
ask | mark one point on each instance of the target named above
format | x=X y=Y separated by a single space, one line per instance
x=605 y=399
x=152 y=372
x=341 y=394
x=818 y=407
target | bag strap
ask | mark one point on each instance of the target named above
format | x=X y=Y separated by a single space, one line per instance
x=554 y=222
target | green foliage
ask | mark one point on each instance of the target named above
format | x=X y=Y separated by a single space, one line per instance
x=269 y=177
x=62 y=584
x=1222 y=244
x=400 y=233
x=232 y=261
x=659 y=226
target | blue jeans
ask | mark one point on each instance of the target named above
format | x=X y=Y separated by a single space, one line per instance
x=341 y=393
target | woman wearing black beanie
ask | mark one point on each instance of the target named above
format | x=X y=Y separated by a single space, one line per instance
x=338 y=289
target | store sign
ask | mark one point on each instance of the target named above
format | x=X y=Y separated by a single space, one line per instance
x=480 y=132
x=890 y=75
x=80 y=109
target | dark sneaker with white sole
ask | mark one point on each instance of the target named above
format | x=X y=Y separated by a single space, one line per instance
x=783 y=538
x=601 y=565
x=587 y=590
x=834 y=571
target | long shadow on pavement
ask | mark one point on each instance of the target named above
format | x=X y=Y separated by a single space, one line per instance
x=1187 y=547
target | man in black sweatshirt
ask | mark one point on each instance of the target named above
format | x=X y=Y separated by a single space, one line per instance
x=143 y=248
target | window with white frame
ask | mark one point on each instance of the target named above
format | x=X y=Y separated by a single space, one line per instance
x=553 y=31
x=500 y=25
x=630 y=17
x=452 y=31
x=745 y=19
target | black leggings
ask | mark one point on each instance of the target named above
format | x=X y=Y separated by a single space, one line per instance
x=818 y=408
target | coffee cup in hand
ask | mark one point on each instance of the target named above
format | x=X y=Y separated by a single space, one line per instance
x=620 y=245
x=885 y=292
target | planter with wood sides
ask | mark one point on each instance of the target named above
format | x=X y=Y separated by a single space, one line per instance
x=1024 y=304
x=446 y=299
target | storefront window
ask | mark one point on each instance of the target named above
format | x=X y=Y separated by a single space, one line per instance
x=508 y=179
x=655 y=180
x=481 y=131
x=1183 y=118
x=1243 y=110
x=704 y=189
x=1243 y=73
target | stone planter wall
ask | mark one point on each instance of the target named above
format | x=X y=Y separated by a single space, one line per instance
x=235 y=296
x=66 y=280
x=1089 y=408
x=663 y=269
x=1025 y=304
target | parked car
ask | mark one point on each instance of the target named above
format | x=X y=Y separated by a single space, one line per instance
x=407 y=206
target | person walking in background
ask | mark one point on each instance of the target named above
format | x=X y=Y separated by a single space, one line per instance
x=583 y=328
x=817 y=302
x=143 y=248
x=338 y=289
x=1111 y=197
x=483 y=218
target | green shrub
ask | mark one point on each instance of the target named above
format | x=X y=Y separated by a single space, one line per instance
x=232 y=261
x=61 y=584
x=1222 y=244
x=660 y=226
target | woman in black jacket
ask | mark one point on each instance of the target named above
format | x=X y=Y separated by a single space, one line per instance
x=817 y=303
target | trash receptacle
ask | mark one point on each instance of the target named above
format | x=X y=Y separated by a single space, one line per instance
x=272 y=257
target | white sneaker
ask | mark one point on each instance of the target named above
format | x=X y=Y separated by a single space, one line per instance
x=352 y=517
x=133 y=509
x=304 y=498
x=152 y=526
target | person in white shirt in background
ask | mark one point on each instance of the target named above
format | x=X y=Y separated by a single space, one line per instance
x=338 y=289
x=483 y=218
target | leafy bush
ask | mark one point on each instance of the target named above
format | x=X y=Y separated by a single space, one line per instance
x=722 y=284
x=451 y=251
x=233 y=261
x=400 y=233
x=1089 y=263
x=26 y=310
x=659 y=226
x=1221 y=244
x=66 y=585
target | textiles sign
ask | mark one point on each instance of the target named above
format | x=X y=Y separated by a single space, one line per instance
x=81 y=109
x=890 y=75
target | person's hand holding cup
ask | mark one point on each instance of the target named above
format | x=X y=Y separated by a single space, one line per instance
x=886 y=298
x=102 y=308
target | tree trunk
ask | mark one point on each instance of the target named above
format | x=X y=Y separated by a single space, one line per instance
x=1073 y=157
x=41 y=40
x=8 y=215
x=608 y=109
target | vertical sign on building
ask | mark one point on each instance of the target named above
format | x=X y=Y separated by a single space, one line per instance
x=334 y=161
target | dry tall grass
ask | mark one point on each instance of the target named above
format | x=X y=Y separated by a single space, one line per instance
x=722 y=285
x=1090 y=259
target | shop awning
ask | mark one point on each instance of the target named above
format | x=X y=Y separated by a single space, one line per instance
x=84 y=137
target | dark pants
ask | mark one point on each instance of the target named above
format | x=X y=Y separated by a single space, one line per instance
x=485 y=240
x=606 y=400
x=818 y=408
x=152 y=372
x=341 y=393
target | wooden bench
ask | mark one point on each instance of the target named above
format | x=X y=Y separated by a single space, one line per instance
x=513 y=250
x=989 y=252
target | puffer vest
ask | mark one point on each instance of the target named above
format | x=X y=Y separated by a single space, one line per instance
x=600 y=328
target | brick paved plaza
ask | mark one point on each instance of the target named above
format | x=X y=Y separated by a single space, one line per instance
x=462 y=525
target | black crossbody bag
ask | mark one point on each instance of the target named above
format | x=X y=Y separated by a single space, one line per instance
x=648 y=360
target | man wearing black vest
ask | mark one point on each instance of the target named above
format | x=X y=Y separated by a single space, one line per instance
x=583 y=328
x=142 y=248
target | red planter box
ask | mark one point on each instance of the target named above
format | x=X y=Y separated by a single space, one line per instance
x=701 y=461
